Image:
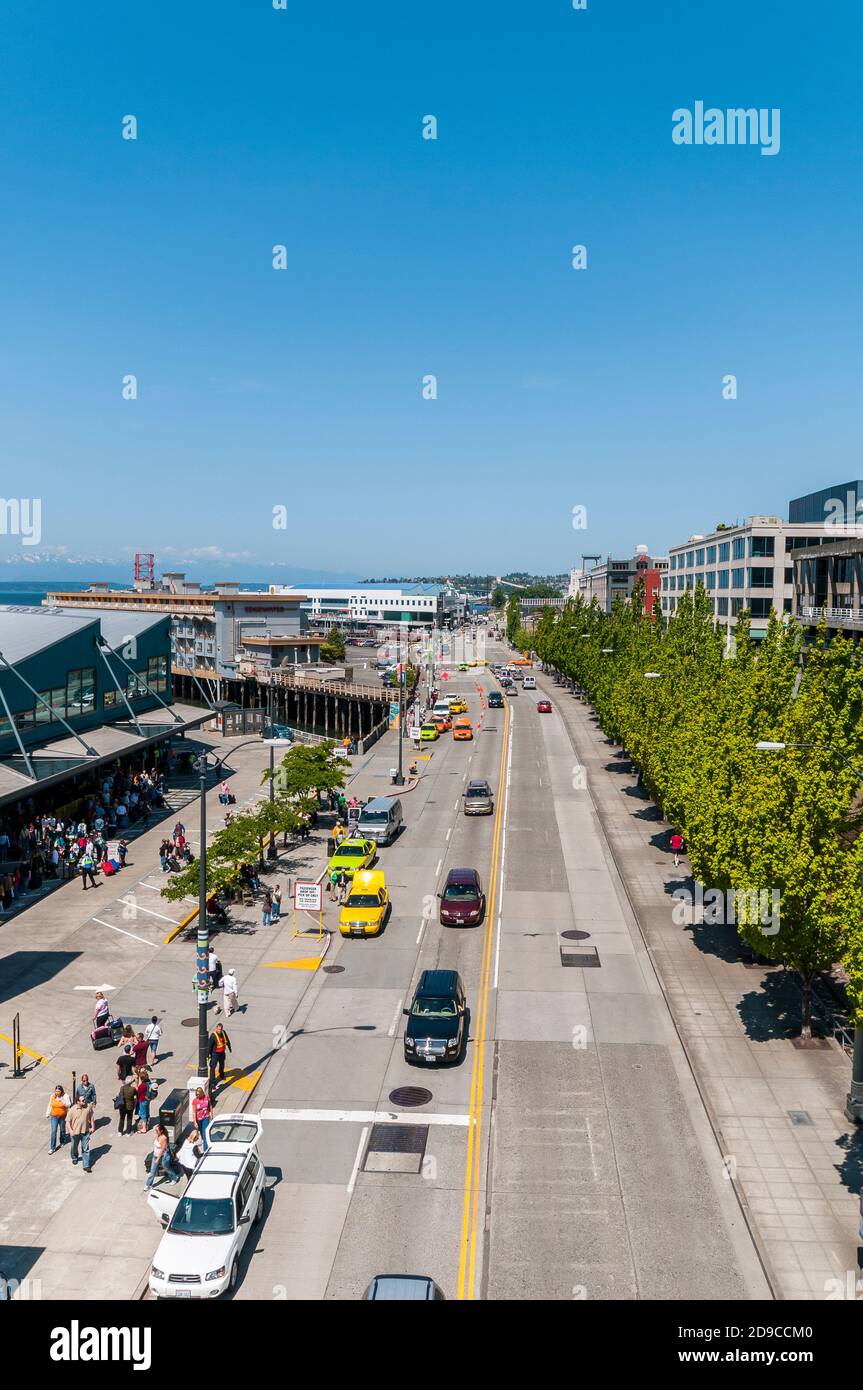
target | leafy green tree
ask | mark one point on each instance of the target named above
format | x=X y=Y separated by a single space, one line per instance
x=333 y=650
x=498 y=597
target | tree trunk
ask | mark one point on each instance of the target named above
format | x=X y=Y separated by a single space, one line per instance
x=806 y=1028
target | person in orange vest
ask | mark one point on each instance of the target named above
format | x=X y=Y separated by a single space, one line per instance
x=58 y=1109
x=220 y=1045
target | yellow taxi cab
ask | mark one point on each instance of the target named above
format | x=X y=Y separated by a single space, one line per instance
x=441 y=722
x=473 y=663
x=428 y=733
x=458 y=706
x=462 y=728
x=367 y=906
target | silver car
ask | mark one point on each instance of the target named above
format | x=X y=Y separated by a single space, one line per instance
x=478 y=800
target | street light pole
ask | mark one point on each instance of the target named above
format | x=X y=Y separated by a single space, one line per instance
x=854 y=1098
x=203 y=949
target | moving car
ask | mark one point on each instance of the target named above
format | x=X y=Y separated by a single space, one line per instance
x=207 y=1222
x=353 y=855
x=529 y=683
x=442 y=722
x=543 y=706
x=367 y=906
x=381 y=819
x=462 y=902
x=441 y=707
x=428 y=733
x=457 y=704
x=404 y=1286
x=511 y=688
x=495 y=700
x=436 y=1028
x=462 y=666
x=462 y=728
x=477 y=799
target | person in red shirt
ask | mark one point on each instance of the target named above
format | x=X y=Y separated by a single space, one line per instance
x=676 y=843
x=139 y=1050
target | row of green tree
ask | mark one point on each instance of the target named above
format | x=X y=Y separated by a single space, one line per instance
x=303 y=773
x=690 y=705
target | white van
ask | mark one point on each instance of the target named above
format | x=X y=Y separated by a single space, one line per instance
x=381 y=819
x=441 y=707
x=529 y=683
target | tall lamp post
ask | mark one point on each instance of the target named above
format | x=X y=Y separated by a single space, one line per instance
x=854 y=1098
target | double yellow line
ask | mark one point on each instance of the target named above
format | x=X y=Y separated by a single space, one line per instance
x=472 y=1181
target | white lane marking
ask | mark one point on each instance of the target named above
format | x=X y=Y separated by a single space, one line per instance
x=497 y=952
x=391 y=1031
x=365 y=1117
x=125 y=933
x=455 y=804
x=437 y=870
x=363 y=1137
x=152 y=887
x=127 y=902
x=449 y=832
x=421 y=930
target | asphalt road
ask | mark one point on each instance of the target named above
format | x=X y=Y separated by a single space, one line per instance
x=568 y=1155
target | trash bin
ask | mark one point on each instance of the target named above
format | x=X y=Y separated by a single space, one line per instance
x=173 y=1113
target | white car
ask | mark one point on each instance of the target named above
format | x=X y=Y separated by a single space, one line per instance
x=529 y=683
x=207 y=1222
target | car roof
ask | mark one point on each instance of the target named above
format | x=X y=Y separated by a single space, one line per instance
x=379 y=803
x=438 y=982
x=415 y=1287
x=216 y=1175
x=480 y=782
x=462 y=876
x=368 y=881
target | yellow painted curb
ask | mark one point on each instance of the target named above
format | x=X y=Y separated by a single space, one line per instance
x=307 y=963
x=248 y=1082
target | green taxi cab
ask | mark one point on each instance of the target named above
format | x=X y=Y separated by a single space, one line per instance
x=353 y=855
x=428 y=733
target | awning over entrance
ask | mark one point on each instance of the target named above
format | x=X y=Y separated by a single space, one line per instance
x=60 y=759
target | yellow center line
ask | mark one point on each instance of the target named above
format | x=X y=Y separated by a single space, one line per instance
x=467 y=1251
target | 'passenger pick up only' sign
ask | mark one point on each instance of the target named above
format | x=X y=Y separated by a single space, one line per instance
x=308 y=896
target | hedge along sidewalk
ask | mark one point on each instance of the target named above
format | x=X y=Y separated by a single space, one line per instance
x=796 y=1180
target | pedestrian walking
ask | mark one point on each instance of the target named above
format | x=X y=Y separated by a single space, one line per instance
x=86 y=1091
x=267 y=908
x=101 y=1010
x=79 y=1127
x=332 y=880
x=228 y=983
x=87 y=866
x=214 y=967
x=59 y=1105
x=202 y=1110
x=187 y=1154
x=220 y=1046
x=140 y=1048
x=676 y=846
x=342 y=884
x=143 y=1094
x=122 y=851
x=125 y=1064
x=161 y=1158
x=277 y=902
x=153 y=1034
x=126 y=1102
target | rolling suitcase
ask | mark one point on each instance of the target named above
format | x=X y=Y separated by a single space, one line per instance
x=102 y=1038
x=107 y=868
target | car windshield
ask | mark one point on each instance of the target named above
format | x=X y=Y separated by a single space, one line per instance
x=363 y=900
x=477 y=791
x=374 y=817
x=356 y=850
x=198 y=1216
x=459 y=892
x=434 y=1008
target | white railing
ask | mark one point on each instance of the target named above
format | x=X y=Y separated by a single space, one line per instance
x=849 y=615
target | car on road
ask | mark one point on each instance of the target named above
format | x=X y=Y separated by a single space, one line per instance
x=511 y=688
x=428 y=733
x=442 y=722
x=457 y=704
x=367 y=906
x=353 y=855
x=436 y=1028
x=529 y=683
x=462 y=666
x=477 y=799
x=413 y=1287
x=543 y=706
x=462 y=728
x=462 y=902
x=495 y=700
x=208 y=1221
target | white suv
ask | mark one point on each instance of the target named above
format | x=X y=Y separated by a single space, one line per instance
x=207 y=1222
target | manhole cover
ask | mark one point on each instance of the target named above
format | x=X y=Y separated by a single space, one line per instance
x=575 y=935
x=800 y=1117
x=188 y=1023
x=410 y=1095
x=333 y=969
x=580 y=959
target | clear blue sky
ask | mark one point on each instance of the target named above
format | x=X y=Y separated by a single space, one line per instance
x=408 y=257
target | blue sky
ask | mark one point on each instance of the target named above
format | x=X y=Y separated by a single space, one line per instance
x=302 y=388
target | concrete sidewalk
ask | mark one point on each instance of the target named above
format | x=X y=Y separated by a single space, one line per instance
x=778 y=1111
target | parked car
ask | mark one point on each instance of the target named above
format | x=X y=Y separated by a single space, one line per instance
x=477 y=799
x=367 y=906
x=428 y=733
x=353 y=855
x=381 y=819
x=462 y=902
x=436 y=1029
x=208 y=1222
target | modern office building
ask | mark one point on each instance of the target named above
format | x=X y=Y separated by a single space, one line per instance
x=839 y=508
x=828 y=586
x=369 y=606
x=613 y=580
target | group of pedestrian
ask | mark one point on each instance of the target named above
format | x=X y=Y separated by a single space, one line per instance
x=271 y=905
x=73 y=1119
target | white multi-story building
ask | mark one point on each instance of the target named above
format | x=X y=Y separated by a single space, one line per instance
x=370 y=605
x=749 y=565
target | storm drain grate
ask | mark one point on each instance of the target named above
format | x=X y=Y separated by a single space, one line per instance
x=188 y=1023
x=582 y=960
x=800 y=1117
x=410 y=1095
x=575 y=935
x=396 y=1148
x=333 y=969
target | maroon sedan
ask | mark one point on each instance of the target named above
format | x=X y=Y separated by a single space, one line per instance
x=543 y=706
x=462 y=902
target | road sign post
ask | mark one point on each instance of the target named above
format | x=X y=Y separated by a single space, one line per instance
x=308 y=897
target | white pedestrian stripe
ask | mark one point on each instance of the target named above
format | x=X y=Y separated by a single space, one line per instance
x=124 y=933
x=364 y=1117
x=395 y=1023
x=363 y=1137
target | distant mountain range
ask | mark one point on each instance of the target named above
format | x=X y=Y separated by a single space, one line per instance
x=47 y=568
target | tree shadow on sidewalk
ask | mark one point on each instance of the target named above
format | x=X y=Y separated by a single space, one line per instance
x=850 y=1170
x=637 y=792
x=773 y=1011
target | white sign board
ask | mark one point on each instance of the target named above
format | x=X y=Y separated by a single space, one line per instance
x=415 y=731
x=308 y=896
